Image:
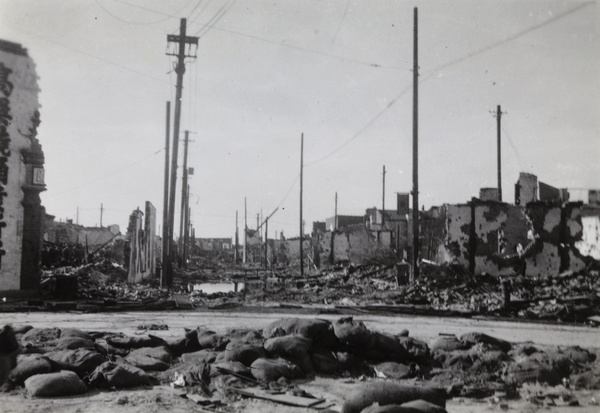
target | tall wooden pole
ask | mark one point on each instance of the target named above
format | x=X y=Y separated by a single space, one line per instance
x=335 y=222
x=181 y=41
x=165 y=231
x=416 y=246
x=245 y=257
x=184 y=187
x=237 y=240
x=301 y=190
x=383 y=201
x=498 y=119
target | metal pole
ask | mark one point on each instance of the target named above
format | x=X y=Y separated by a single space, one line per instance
x=301 y=189
x=415 y=211
x=165 y=231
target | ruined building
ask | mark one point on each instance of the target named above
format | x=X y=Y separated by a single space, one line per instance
x=21 y=172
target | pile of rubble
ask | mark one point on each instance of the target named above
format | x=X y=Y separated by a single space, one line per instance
x=220 y=370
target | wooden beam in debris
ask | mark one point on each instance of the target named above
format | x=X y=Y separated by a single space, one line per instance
x=286 y=399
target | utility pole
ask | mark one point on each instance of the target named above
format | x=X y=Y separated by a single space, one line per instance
x=416 y=246
x=165 y=232
x=335 y=222
x=245 y=256
x=186 y=231
x=301 y=220
x=101 y=213
x=383 y=201
x=266 y=224
x=237 y=240
x=182 y=40
x=498 y=120
x=184 y=187
x=77 y=217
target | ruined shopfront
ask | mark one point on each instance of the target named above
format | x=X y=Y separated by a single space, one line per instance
x=21 y=172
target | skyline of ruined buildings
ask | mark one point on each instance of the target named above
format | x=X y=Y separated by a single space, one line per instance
x=540 y=234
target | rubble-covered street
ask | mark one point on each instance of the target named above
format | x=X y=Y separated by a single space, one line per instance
x=228 y=362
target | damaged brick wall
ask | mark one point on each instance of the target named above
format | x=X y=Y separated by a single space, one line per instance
x=538 y=240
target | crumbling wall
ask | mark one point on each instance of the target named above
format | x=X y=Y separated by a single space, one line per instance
x=458 y=233
x=361 y=244
x=142 y=255
x=499 y=229
x=589 y=244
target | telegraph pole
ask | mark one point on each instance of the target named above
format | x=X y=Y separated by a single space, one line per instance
x=383 y=201
x=335 y=222
x=101 y=213
x=182 y=40
x=498 y=120
x=184 y=187
x=301 y=220
x=415 y=211
x=165 y=231
x=237 y=240
x=245 y=256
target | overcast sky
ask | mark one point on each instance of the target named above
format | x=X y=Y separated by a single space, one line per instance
x=338 y=71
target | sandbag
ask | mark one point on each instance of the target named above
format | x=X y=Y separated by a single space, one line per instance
x=29 y=365
x=182 y=345
x=267 y=370
x=74 y=332
x=319 y=331
x=588 y=380
x=136 y=342
x=161 y=353
x=208 y=339
x=9 y=348
x=418 y=350
x=531 y=371
x=63 y=383
x=449 y=344
x=81 y=361
x=145 y=362
x=292 y=348
x=202 y=356
x=227 y=367
x=325 y=362
x=475 y=338
x=396 y=371
x=20 y=330
x=416 y=406
x=38 y=337
x=385 y=392
x=72 y=343
x=119 y=376
x=383 y=347
x=353 y=334
x=244 y=353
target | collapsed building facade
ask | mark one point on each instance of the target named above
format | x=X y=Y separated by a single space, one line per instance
x=542 y=233
x=21 y=172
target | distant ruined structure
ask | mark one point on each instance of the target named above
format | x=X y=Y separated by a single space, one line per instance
x=21 y=172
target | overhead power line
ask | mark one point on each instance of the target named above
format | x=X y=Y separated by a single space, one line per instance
x=446 y=65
